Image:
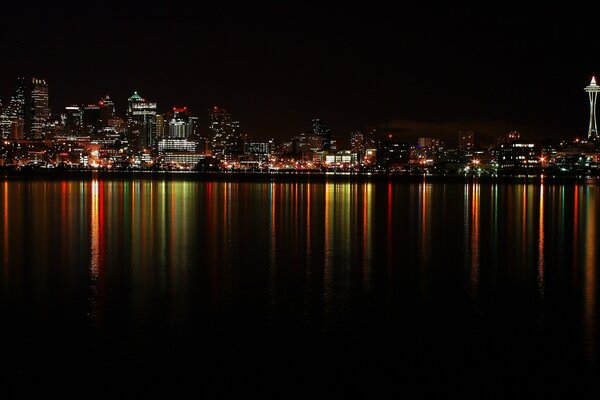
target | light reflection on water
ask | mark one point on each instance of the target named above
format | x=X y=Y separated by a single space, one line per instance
x=323 y=257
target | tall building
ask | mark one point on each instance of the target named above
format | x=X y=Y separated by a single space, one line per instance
x=222 y=131
x=73 y=121
x=92 y=119
x=235 y=143
x=13 y=115
x=16 y=106
x=5 y=124
x=107 y=110
x=357 y=141
x=320 y=128
x=180 y=126
x=38 y=111
x=592 y=90
x=162 y=127
x=466 y=140
x=141 y=121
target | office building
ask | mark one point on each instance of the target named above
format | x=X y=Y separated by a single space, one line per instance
x=107 y=110
x=38 y=112
x=141 y=121
x=73 y=121
x=180 y=126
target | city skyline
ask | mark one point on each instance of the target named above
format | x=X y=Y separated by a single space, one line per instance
x=409 y=129
x=421 y=67
x=144 y=137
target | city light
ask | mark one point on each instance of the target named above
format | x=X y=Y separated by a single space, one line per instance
x=144 y=138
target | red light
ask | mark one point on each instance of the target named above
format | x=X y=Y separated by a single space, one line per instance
x=100 y=103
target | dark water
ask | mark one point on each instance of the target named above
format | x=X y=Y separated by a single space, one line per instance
x=296 y=289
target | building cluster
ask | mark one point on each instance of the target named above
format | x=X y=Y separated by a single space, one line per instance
x=95 y=136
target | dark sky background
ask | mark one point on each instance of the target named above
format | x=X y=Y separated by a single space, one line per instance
x=419 y=70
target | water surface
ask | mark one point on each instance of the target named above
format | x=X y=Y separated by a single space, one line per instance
x=299 y=288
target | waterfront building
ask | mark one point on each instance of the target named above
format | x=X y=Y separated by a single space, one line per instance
x=180 y=126
x=37 y=113
x=107 y=110
x=141 y=121
x=73 y=121
x=518 y=155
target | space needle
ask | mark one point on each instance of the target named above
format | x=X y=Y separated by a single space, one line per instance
x=592 y=89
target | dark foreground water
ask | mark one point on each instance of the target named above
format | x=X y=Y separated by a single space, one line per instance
x=124 y=288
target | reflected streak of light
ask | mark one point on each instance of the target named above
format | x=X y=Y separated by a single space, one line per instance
x=94 y=244
x=366 y=235
x=575 y=226
x=541 y=244
x=272 y=243
x=466 y=224
x=327 y=275
x=424 y=193
x=589 y=289
x=308 y=291
x=474 y=276
x=523 y=224
x=308 y=201
x=273 y=222
x=5 y=236
x=94 y=253
x=389 y=228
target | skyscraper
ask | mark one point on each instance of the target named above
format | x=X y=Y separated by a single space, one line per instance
x=180 y=126
x=92 y=121
x=141 y=121
x=16 y=106
x=219 y=128
x=38 y=111
x=73 y=120
x=162 y=127
x=320 y=128
x=592 y=89
x=107 y=110
x=13 y=114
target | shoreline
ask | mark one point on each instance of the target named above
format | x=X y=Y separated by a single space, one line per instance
x=281 y=176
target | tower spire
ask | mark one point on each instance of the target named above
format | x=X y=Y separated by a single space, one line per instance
x=592 y=89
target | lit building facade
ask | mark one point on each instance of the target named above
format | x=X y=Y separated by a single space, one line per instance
x=141 y=121
x=174 y=144
x=224 y=134
x=518 y=156
x=73 y=121
x=13 y=115
x=180 y=126
x=107 y=110
x=38 y=112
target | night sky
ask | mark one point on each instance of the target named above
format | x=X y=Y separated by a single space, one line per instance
x=415 y=70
